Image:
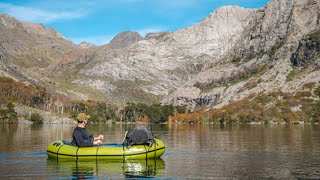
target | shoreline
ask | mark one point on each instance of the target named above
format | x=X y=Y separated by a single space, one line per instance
x=71 y=121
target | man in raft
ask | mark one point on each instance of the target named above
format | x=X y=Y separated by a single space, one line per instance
x=80 y=136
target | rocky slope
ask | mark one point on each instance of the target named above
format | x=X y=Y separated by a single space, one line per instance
x=262 y=60
x=230 y=54
x=29 y=52
x=152 y=67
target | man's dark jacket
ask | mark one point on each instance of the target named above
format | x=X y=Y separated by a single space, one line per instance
x=81 y=138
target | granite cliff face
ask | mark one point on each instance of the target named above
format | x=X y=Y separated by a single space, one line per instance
x=262 y=59
x=161 y=62
x=229 y=55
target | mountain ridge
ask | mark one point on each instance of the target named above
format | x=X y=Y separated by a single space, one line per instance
x=227 y=56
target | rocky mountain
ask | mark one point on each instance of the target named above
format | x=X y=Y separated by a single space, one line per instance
x=30 y=51
x=229 y=55
x=262 y=59
x=151 y=68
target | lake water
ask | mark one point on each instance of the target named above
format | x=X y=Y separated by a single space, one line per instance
x=193 y=152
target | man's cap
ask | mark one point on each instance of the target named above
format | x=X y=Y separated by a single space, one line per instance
x=82 y=116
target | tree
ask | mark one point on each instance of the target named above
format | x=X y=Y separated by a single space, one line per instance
x=154 y=114
x=11 y=113
x=128 y=113
x=181 y=109
x=36 y=118
x=3 y=114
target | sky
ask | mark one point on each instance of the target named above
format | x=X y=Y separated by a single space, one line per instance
x=98 y=21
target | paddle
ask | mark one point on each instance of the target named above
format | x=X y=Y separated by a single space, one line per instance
x=125 y=134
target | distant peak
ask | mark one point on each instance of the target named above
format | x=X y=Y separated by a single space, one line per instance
x=125 y=39
x=85 y=45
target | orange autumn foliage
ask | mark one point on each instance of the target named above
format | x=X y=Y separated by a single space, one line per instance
x=145 y=119
x=195 y=117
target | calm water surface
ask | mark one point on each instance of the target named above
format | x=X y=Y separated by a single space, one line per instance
x=193 y=152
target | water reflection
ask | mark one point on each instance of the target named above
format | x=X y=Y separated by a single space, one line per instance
x=144 y=168
x=192 y=152
x=86 y=169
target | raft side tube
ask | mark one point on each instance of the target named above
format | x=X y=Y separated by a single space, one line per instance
x=59 y=149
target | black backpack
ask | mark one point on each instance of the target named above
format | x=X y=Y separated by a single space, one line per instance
x=139 y=136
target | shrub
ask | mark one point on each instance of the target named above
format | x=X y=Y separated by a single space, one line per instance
x=315 y=36
x=291 y=75
x=36 y=118
x=317 y=92
x=309 y=86
x=3 y=114
x=301 y=94
x=11 y=113
x=236 y=60
x=275 y=48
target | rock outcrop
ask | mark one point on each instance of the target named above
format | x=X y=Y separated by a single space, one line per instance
x=308 y=51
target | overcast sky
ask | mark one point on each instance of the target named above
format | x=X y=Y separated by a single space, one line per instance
x=98 y=21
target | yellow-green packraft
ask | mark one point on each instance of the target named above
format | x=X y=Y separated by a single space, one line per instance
x=65 y=150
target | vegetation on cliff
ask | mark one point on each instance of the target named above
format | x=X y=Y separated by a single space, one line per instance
x=273 y=107
x=12 y=91
x=8 y=114
x=303 y=105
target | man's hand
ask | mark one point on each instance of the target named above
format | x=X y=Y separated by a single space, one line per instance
x=97 y=142
x=100 y=137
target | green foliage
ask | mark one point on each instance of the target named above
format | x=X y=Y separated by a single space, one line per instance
x=40 y=98
x=3 y=114
x=294 y=73
x=134 y=112
x=155 y=112
x=275 y=48
x=37 y=101
x=158 y=114
x=317 y=91
x=236 y=60
x=94 y=116
x=99 y=112
x=309 y=86
x=301 y=94
x=110 y=113
x=181 y=109
x=36 y=118
x=167 y=110
x=314 y=36
x=10 y=109
x=266 y=108
x=275 y=106
x=15 y=91
x=11 y=113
